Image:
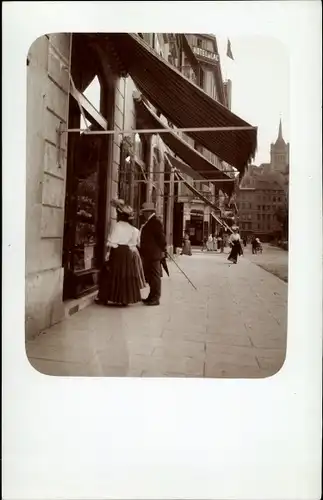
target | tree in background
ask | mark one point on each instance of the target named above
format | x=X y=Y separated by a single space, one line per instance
x=281 y=215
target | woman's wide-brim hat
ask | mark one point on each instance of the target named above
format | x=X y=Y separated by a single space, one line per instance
x=127 y=210
x=122 y=208
x=117 y=203
x=148 y=207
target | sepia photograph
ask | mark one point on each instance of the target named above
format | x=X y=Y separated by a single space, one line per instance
x=157 y=183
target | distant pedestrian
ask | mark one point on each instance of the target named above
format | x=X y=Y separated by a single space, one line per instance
x=236 y=248
x=210 y=243
x=186 y=249
x=254 y=245
x=219 y=242
x=152 y=251
x=258 y=245
x=204 y=244
x=123 y=277
x=244 y=240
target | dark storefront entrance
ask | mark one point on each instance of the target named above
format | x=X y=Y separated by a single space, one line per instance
x=195 y=227
x=87 y=175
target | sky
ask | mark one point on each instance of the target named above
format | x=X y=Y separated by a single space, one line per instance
x=260 y=86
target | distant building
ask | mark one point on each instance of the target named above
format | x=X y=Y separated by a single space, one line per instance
x=258 y=207
x=279 y=153
x=197 y=219
x=263 y=192
x=228 y=92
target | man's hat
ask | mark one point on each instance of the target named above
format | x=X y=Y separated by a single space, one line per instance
x=148 y=207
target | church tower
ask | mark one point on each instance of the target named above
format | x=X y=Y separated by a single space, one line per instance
x=279 y=153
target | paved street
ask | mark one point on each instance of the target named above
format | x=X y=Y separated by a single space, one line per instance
x=273 y=260
x=234 y=326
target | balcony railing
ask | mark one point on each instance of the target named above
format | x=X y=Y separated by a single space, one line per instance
x=206 y=54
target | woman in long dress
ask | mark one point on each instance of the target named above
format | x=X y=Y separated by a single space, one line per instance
x=236 y=248
x=209 y=244
x=187 y=249
x=124 y=276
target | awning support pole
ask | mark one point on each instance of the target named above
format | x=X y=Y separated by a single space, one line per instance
x=166 y=130
x=192 y=180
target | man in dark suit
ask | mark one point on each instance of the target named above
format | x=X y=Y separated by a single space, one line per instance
x=152 y=251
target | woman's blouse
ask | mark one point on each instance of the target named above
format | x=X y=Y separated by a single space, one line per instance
x=234 y=237
x=123 y=233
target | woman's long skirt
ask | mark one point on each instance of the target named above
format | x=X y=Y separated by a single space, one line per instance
x=235 y=251
x=187 y=249
x=140 y=269
x=122 y=281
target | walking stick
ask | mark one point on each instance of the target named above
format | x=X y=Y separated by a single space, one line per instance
x=181 y=270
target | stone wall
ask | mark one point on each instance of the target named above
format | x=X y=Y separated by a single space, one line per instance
x=47 y=106
x=124 y=118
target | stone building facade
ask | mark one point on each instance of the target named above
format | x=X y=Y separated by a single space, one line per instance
x=70 y=183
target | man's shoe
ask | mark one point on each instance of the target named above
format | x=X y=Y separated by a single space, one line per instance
x=145 y=300
x=152 y=303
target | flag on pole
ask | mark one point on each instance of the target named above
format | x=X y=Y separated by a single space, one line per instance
x=229 y=50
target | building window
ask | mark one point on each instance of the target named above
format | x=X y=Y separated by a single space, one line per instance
x=258 y=216
x=199 y=42
x=274 y=199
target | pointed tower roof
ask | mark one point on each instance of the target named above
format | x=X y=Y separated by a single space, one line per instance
x=280 y=139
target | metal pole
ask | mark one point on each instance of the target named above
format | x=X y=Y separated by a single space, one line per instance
x=166 y=130
x=201 y=172
x=207 y=180
x=181 y=270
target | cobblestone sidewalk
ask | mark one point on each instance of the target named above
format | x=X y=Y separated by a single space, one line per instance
x=234 y=326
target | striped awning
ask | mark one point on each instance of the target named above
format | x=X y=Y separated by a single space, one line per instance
x=193 y=163
x=182 y=102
